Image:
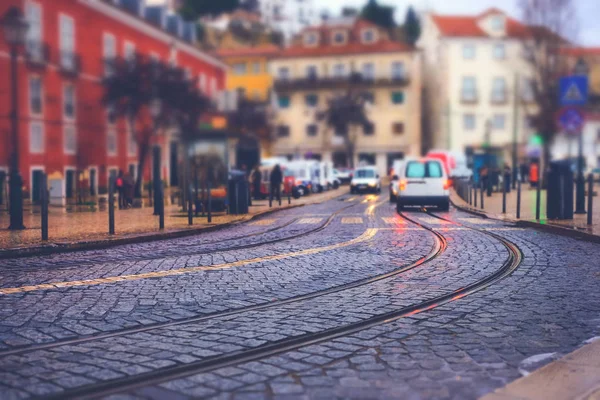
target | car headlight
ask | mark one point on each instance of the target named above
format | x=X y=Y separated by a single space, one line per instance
x=372 y=184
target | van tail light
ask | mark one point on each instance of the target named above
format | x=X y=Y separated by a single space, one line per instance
x=298 y=183
x=402 y=185
x=447 y=184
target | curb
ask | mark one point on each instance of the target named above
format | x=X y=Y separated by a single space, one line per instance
x=554 y=229
x=59 y=248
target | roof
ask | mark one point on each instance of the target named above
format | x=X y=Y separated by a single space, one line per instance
x=581 y=51
x=264 y=50
x=468 y=26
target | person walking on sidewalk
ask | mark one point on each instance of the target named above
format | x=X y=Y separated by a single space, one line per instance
x=256 y=181
x=276 y=178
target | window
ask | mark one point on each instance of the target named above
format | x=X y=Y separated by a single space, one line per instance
x=398 y=128
x=284 y=101
x=110 y=53
x=283 y=131
x=368 y=71
x=283 y=73
x=468 y=51
x=131 y=143
x=312 y=100
x=311 y=130
x=129 y=51
x=365 y=173
x=499 y=51
x=256 y=68
x=339 y=70
x=369 y=129
x=35 y=95
x=499 y=122
x=69 y=101
x=111 y=115
x=497 y=23
x=239 y=69
x=368 y=36
x=397 y=98
x=311 y=39
x=70 y=139
x=312 y=72
x=36 y=138
x=398 y=72
x=429 y=169
x=111 y=141
x=33 y=13
x=499 y=90
x=469 y=122
x=340 y=131
x=528 y=90
x=339 y=37
x=67 y=42
x=469 y=89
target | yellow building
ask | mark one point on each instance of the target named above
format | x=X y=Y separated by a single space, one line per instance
x=249 y=70
x=346 y=56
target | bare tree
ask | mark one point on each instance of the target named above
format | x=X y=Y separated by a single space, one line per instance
x=346 y=115
x=551 y=23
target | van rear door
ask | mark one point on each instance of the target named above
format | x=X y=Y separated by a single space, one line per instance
x=424 y=178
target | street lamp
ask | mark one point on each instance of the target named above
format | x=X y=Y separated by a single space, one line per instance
x=15 y=31
x=155 y=110
x=581 y=68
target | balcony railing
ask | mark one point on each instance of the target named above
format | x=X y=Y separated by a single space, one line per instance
x=37 y=53
x=469 y=97
x=70 y=63
x=324 y=83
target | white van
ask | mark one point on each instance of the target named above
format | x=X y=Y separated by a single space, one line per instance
x=326 y=176
x=365 y=179
x=423 y=182
x=306 y=174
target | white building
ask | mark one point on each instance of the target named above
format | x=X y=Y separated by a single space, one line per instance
x=471 y=68
x=289 y=16
x=567 y=146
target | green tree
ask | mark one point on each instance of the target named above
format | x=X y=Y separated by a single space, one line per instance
x=346 y=116
x=191 y=10
x=378 y=14
x=412 y=26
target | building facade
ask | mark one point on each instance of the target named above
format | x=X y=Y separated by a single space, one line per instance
x=64 y=130
x=289 y=16
x=477 y=83
x=356 y=56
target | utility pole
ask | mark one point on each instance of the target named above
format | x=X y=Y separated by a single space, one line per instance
x=515 y=158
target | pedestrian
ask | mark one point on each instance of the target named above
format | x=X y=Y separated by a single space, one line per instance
x=534 y=174
x=119 y=185
x=128 y=189
x=256 y=182
x=507 y=177
x=276 y=178
x=484 y=177
x=524 y=173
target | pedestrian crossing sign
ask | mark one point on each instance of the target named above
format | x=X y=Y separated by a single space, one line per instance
x=574 y=90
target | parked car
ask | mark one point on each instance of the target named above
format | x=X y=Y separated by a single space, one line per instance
x=394 y=180
x=423 y=182
x=344 y=175
x=305 y=173
x=365 y=179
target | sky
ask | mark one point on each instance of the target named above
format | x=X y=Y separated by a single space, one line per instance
x=588 y=11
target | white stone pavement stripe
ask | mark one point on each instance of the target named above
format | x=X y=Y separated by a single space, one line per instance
x=477 y=221
x=433 y=221
x=393 y=220
x=264 y=222
x=308 y=221
x=350 y=220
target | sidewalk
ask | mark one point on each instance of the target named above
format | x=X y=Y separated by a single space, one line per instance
x=67 y=229
x=493 y=208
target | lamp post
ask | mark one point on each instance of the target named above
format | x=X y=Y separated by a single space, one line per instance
x=488 y=144
x=15 y=29
x=581 y=68
x=155 y=110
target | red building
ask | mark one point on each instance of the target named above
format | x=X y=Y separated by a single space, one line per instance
x=63 y=127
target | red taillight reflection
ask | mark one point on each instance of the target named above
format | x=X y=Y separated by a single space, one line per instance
x=402 y=185
x=447 y=184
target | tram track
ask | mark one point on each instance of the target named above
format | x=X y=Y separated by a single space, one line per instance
x=120 y=385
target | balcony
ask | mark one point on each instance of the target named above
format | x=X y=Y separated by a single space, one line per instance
x=37 y=54
x=69 y=63
x=469 y=98
x=345 y=82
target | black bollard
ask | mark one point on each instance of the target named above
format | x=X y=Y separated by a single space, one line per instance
x=270 y=196
x=504 y=183
x=111 y=206
x=161 y=211
x=44 y=199
x=590 y=199
x=475 y=196
x=279 y=195
x=470 y=187
x=237 y=198
x=538 y=199
x=290 y=194
x=196 y=191
x=209 y=205
x=519 y=199
x=190 y=210
x=482 y=193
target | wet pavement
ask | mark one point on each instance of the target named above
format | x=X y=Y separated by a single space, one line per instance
x=344 y=299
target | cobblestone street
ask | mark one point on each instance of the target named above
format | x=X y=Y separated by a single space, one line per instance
x=342 y=299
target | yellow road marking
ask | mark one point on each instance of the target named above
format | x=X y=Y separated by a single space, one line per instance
x=352 y=220
x=263 y=222
x=367 y=235
x=351 y=199
x=308 y=221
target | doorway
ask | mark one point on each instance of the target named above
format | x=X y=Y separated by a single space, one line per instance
x=3 y=181
x=93 y=180
x=36 y=185
x=70 y=183
x=174 y=164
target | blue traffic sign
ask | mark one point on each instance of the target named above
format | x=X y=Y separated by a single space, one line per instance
x=571 y=120
x=574 y=90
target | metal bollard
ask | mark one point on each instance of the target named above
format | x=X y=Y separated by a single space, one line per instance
x=475 y=196
x=279 y=195
x=44 y=199
x=111 y=206
x=209 y=204
x=161 y=205
x=590 y=199
x=470 y=188
x=196 y=192
x=190 y=210
x=538 y=199
x=270 y=196
x=504 y=195
x=519 y=199
x=237 y=198
x=482 y=196
x=290 y=194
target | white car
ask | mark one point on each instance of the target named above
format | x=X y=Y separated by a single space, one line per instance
x=365 y=179
x=423 y=182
